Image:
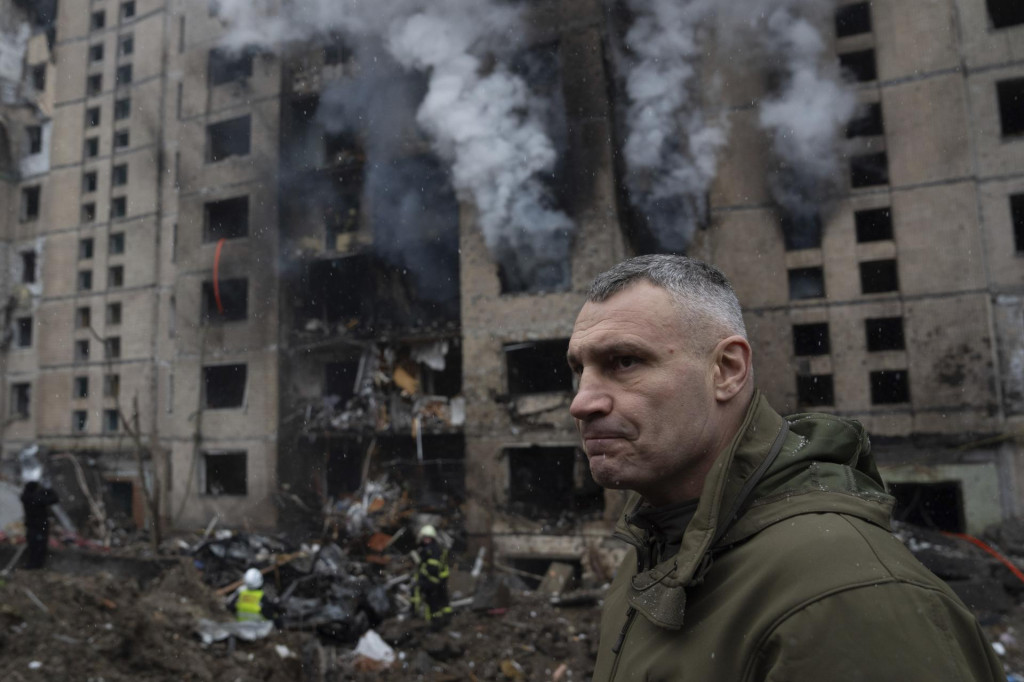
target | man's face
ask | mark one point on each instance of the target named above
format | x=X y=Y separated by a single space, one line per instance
x=645 y=405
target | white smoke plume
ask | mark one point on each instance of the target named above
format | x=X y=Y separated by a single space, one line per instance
x=482 y=118
x=671 y=150
x=671 y=146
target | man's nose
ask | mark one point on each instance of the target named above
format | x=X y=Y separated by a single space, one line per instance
x=592 y=398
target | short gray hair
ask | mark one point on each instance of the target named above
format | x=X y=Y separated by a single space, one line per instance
x=700 y=290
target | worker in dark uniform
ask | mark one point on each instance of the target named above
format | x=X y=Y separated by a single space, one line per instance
x=36 y=499
x=431 y=596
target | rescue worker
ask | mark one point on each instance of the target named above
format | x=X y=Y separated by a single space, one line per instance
x=36 y=499
x=249 y=602
x=431 y=595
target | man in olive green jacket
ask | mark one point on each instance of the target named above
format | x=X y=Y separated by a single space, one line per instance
x=761 y=545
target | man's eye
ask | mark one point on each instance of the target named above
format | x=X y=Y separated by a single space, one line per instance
x=625 y=361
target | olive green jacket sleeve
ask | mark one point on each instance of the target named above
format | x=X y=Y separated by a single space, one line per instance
x=849 y=637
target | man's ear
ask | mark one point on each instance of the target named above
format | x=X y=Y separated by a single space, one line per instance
x=733 y=369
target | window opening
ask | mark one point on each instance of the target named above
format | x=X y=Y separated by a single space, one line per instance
x=88 y=212
x=889 y=387
x=111 y=385
x=115 y=243
x=96 y=52
x=115 y=276
x=85 y=280
x=225 y=66
x=28 y=267
x=537 y=367
x=226 y=219
x=868 y=122
x=123 y=76
x=81 y=387
x=79 y=420
x=82 y=318
x=114 y=313
x=867 y=170
x=112 y=348
x=853 y=19
x=1004 y=13
x=223 y=386
x=878 y=276
x=884 y=333
x=119 y=207
x=94 y=84
x=89 y=182
x=35 y=139
x=1017 y=218
x=860 y=65
x=85 y=248
x=873 y=225
x=938 y=505
x=340 y=380
x=82 y=350
x=806 y=283
x=21 y=397
x=227 y=138
x=24 y=332
x=111 y=421
x=122 y=108
x=1011 y=106
x=30 y=203
x=811 y=339
x=224 y=473
x=544 y=480
x=119 y=175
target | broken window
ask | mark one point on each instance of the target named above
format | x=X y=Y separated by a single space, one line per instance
x=223 y=386
x=81 y=388
x=122 y=108
x=126 y=45
x=853 y=19
x=94 y=84
x=122 y=138
x=814 y=390
x=233 y=301
x=873 y=225
x=1017 y=218
x=537 y=367
x=88 y=212
x=811 y=339
x=1005 y=13
x=800 y=229
x=225 y=66
x=878 y=276
x=21 y=396
x=938 y=505
x=118 y=207
x=97 y=20
x=111 y=385
x=82 y=350
x=546 y=481
x=860 y=65
x=806 y=283
x=112 y=348
x=127 y=10
x=111 y=421
x=115 y=243
x=884 y=333
x=119 y=175
x=123 y=75
x=336 y=51
x=114 y=313
x=28 y=267
x=83 y=317
x=24 y=332
x=340 y=380
x=85 y=280
x=92 y=147
x=96 y=52
x=868 y=122
x=227 y=138
x=448 y=381
x=226 y=219
x=889 y=387
x=115 y=276
x=1011 y=105
x=34 y=139
x=30 y=203
x=120 y=500
x=79 y=420
x=224 y=473
x=85 y=248
x=867 y=170
x=37 y=72
x=89 y=182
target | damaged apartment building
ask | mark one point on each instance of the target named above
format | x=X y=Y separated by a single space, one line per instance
x=255 y=264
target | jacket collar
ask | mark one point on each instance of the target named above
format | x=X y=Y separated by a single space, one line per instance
x=740 y=487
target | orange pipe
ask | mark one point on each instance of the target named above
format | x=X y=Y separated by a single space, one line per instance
x=216 y=278
x=975 y=541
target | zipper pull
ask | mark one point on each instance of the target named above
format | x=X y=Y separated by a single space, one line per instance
x=630 y=612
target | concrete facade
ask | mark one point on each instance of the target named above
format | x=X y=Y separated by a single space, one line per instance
x=336 y=368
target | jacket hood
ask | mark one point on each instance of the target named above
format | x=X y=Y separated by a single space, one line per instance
x=774 y=468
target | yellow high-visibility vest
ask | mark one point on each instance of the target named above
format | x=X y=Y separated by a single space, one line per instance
x=248 y=605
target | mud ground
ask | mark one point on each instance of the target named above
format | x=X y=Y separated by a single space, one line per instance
x=60 y=626
x=57 y=625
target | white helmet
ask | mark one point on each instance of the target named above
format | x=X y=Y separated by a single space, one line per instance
x=32 y=474
x=253 y=579
x=427 y=531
